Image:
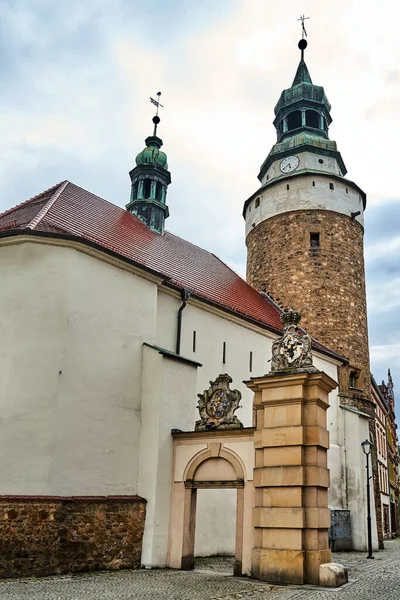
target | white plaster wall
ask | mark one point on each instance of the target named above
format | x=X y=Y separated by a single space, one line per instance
x=302 y=195
x=337 y=489
x=354 y=429
x=71 y=330
x=211 y=332
x=167 y=390
x=215 y=536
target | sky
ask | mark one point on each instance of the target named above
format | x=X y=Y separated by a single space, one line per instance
x=75 y=84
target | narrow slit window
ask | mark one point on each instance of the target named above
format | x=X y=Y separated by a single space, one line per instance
x=251 y=362
x=353 y=379
x=224 y=353
x=313 y=183
x=314 y=240
x=287 y=186
x=347 y=190
x=331 y=186
x=194 y=341
x=257 y=204
x=146 y=188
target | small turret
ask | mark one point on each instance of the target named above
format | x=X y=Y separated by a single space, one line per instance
x=150 y=180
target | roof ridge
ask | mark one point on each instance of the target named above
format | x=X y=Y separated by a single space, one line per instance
x=105 y=200
x=9 y=210
x=42 y=213
x=121 y=208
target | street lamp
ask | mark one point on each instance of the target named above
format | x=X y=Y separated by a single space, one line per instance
x=366 y=446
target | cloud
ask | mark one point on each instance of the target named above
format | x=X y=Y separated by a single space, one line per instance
x=76 y=79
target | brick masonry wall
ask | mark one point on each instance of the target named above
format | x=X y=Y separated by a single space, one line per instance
x=52 y=535
x=327 y=285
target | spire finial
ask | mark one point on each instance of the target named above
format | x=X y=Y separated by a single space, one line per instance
x=156 y=118
x=303 y=41
x=303 y=29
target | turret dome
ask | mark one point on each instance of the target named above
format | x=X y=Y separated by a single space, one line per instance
x=152 y=155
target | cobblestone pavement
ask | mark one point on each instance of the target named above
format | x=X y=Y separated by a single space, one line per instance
x=369 y=580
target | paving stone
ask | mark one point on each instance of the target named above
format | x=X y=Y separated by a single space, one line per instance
x=377 y=579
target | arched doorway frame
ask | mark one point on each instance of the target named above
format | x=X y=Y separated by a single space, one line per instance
x=191 y=486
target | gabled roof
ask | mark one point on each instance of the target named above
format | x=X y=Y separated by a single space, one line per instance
x=66 y=210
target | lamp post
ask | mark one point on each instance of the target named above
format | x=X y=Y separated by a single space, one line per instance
x=366 y=446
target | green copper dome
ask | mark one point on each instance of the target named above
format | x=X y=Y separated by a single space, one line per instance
x=152 y=155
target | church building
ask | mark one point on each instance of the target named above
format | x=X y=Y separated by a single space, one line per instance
x=111 y=327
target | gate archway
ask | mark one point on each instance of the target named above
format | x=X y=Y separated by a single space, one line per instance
x=225 y=460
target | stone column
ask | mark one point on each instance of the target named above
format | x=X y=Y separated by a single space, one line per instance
x=291 y=515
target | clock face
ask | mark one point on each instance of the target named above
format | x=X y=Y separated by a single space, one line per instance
x=289 y=164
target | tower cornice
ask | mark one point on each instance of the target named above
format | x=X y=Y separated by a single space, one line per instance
x=302 y=173
x=288 y=149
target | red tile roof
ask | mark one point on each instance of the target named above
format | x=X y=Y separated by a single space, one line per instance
x=70 y=210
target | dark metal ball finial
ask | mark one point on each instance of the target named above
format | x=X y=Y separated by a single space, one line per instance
x=303 y=44
x=156 y=120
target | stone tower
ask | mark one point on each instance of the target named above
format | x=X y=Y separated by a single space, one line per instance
x=304 y=232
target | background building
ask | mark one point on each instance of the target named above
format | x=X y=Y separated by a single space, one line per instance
x=393 y=458
x=381 y=424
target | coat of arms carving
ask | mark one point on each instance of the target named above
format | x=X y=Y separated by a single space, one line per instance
x=293 y=349
x=217 y=406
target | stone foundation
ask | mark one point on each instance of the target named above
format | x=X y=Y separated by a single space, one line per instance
x=42 y=535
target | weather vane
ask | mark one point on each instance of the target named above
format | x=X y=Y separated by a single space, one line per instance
x=156 y=102
x=156 y=119
x=303 y=29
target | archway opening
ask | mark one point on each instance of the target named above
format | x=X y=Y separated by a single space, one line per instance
x=312 y=119
x=215 y=530
x=294 y=120
x=146 y=188
x=218 y=475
